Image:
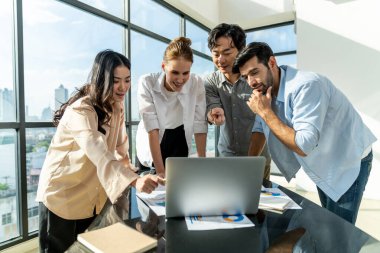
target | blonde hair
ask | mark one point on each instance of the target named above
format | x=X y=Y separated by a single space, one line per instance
x=179 y=47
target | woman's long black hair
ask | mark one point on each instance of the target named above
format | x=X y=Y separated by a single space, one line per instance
x=99 y=87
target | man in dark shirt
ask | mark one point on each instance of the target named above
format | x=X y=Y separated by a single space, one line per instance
x=227 y=94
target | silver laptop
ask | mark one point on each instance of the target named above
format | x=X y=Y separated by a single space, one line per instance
x=213 y=186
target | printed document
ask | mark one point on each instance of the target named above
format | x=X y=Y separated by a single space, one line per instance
x=218 y=222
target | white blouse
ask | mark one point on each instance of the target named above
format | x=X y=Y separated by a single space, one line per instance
x=154 y=110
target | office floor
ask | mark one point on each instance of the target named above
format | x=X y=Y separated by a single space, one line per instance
x=368 y=218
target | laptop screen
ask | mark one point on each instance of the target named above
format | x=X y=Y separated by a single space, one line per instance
x=213 y=186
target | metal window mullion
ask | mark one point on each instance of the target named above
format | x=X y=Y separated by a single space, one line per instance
x=269 y=26
x=94 y=11
x=129 y=98
x=182 y=26
x=285 y=53
x=20 y=86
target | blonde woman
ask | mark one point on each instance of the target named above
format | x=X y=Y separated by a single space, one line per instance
x=172 y=106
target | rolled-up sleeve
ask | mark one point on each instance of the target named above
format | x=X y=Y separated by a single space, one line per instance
x=200 y=123
x=257 y=126
x=212 y=96
x=146 y=105
x=310 y=104
x=113 y=174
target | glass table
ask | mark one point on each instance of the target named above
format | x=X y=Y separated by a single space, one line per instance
x=310 y=229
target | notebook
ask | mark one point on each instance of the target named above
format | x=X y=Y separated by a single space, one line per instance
x=213 y=186
x=117 y=238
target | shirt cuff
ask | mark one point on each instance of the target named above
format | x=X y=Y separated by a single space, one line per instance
x=150 y=122
x=200 y=127
x=306 y=137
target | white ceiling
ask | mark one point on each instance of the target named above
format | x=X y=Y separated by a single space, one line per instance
x=246 y=13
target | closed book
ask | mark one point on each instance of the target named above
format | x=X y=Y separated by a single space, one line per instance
x=116 y=238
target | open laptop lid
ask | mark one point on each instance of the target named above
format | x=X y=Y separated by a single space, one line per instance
x=213 y=186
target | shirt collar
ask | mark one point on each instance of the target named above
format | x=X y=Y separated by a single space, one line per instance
x=224 y=79
x=281 y=90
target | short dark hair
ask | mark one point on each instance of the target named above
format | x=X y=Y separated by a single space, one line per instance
x=259 y=49
x=235 y=32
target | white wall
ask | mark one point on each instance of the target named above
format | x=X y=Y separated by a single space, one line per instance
x=246 y=13
x=341 y=39
x=204 y=11
x=255 y=13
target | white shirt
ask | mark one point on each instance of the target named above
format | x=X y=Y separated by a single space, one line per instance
x=173 y=119
x=154 y=110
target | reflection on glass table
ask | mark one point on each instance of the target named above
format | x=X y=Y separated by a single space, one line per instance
x=310 y=229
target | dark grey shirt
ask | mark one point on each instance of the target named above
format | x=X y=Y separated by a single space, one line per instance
x=235 y=133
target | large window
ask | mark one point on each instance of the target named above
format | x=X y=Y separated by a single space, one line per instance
x=281 y=38
x=44 y=62
x=60 y=44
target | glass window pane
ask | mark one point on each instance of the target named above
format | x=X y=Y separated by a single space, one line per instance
x=210 y=143
x=290 y=60
x=210 y=147
x=60 y=44
x=198 y=37
x=7 y=94
x=113 y=7
x=134 y=131
x=8 y=186
x=146 y=57
x=154 y=17
x=37 y=144
x=202 y=66
x=280 y=39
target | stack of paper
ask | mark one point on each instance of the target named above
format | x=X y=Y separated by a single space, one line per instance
x=117 y=238
x=274 y=199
